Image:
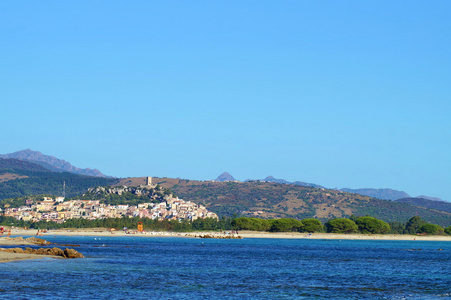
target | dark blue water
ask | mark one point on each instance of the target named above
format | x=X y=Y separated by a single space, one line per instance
x=182 y=268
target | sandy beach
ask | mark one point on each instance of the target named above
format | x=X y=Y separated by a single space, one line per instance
x=337 y=236
x=244 y=234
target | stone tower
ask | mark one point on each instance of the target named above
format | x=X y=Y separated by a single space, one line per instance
x=148 y=180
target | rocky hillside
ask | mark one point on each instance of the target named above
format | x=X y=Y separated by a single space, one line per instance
x=272 y=200
x=132 y=195
x=51 y=163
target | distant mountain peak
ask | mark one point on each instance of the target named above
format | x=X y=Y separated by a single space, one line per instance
x=271 y=178
x=29 y=151
x=50 y=162
x=225 y=177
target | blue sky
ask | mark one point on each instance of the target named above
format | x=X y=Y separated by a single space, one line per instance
x=339 y=93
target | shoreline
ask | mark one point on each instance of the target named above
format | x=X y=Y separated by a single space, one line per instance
x=342 y=236
x=101 y=232
x=18 y=234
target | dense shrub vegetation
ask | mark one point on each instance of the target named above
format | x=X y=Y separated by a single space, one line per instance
x=414 y=224
x=50 y=183
x=277 y=225
x=311 y=225
x=341 y=225
x=431 y=229
x=372 y=225
x=448 y=230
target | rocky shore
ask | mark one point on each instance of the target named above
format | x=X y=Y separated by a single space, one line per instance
x=55 y=251
x=12 y=254
x=215 y=236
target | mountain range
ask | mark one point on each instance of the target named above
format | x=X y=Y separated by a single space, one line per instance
x=224 y=177
x=20 y=178
x=54 y=164
x=385 y=194
x=51 y=163
x=263 y=199
x=58 y=165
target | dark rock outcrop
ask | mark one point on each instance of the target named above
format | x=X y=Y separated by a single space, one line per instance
x=71 y=253
x=66 y=253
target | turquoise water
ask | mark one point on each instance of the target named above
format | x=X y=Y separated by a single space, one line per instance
x=183 y=268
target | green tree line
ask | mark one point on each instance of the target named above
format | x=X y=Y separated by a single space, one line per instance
x=131 y=223
x=364 y=225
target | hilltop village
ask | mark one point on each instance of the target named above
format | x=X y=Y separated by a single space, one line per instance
x=59 y=210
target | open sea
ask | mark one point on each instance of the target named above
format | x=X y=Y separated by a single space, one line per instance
x=136 y=267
